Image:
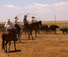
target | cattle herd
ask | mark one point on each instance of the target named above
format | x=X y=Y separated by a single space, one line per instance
x=45 y=28
x=53 y=28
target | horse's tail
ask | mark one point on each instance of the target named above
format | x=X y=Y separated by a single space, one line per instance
x=3 y=35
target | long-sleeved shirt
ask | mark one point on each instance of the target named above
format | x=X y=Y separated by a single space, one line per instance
x=9 y=25
x=32 y=21
x=16 y=21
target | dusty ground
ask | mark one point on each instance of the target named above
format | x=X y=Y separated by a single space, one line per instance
x=45 y=45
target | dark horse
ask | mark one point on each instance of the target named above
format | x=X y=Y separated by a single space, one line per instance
x=7 y=37
x=33 y=26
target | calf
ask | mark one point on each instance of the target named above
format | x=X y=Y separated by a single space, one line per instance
x=64 y=30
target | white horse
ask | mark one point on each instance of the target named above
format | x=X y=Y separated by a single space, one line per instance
x=21 y=31
x=19 y=34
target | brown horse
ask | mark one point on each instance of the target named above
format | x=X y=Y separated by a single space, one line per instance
x=7 y=37
x=36 y=26
x=26 y=29
x=33 y=26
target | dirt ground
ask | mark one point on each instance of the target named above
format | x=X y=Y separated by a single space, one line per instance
x=45 y=45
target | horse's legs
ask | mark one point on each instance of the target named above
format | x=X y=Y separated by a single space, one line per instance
x=32 y=35
x=9 y=45
x=38 y=31
x=14 y=46
x=29 y=36
x=25 y=34
x=6 y=46
x=21 y=30
x=19 y=36
x=35 y=33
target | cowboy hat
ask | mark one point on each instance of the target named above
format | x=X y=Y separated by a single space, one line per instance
x=15 y=17
x=32 y=17
x=8 y=20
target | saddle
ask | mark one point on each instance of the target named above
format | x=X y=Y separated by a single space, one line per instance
x=17 y=27
x=7 y=32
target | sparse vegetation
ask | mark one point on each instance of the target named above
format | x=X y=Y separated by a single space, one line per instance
x=45 y=45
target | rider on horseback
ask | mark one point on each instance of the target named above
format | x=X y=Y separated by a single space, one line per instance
x=25 y=22
x=16 y=24
x=9 y=27
x=32 y=21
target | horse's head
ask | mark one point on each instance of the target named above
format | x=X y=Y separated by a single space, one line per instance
x=40 y=22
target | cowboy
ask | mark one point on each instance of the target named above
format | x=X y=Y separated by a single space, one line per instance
x=9 y=27
x=25 y=19
x=32 y=21
x=25 y=22
x=16 y=24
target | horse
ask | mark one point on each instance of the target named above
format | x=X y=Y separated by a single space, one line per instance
x=22 y=28
x=18 y=33
x=36 y=26
x=7 y=37
x=33 y=26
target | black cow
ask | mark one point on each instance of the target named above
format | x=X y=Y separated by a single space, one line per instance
x=53 y=28
x=64 y=30
x=44 y=28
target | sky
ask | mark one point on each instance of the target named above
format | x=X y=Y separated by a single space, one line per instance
x=45 y=10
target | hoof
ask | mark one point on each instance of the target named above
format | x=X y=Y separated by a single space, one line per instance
x=15 y=49
x=5 y=50
x=32 y=38
x=29 y=38
x=20 y=42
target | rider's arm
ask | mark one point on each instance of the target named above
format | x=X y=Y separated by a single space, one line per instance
x=5 y=25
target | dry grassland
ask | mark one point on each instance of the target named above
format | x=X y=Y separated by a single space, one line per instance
x=45 y=45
